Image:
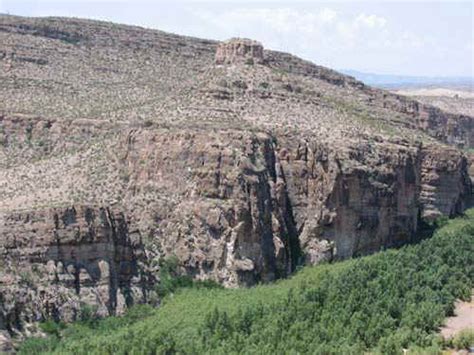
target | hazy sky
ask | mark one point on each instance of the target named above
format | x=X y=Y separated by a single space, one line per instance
x=404 y=37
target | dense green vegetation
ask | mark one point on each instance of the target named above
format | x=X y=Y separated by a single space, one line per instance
x=383 y=303
x=172 y=280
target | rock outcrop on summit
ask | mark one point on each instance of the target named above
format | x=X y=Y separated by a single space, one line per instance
x=239 y=50
x=121 y=147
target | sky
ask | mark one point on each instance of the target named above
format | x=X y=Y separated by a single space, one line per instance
x=424 y=38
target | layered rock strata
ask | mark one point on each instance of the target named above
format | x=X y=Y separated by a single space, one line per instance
x=60 y=263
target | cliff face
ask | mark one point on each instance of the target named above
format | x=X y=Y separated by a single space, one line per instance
x=455 y=129
x=250 y=206
x=452 y=128
x=243 y=165
x=225 y=210
x=57 y=262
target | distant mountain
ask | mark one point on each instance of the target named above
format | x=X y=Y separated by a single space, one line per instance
x=402 y=81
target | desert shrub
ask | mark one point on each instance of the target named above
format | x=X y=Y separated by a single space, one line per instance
x=147 y=123
x=51 y=327
x=240 y=84
x=172 y=280
x=88 y=313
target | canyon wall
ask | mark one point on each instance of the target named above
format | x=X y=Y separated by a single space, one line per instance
x=250 y=206
x=60 y=263
x=233 y=206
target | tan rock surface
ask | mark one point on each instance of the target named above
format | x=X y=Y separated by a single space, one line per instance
x=239 y=50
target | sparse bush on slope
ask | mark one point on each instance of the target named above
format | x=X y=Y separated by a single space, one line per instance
x=172 y=280
x=383 y=303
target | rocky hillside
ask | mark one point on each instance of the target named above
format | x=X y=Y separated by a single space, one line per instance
x=449 y=100
x=122 y=146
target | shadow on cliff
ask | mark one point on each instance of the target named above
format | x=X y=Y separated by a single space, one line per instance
x=98 y=258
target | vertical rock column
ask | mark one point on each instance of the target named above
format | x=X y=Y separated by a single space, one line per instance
x=239 y=50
